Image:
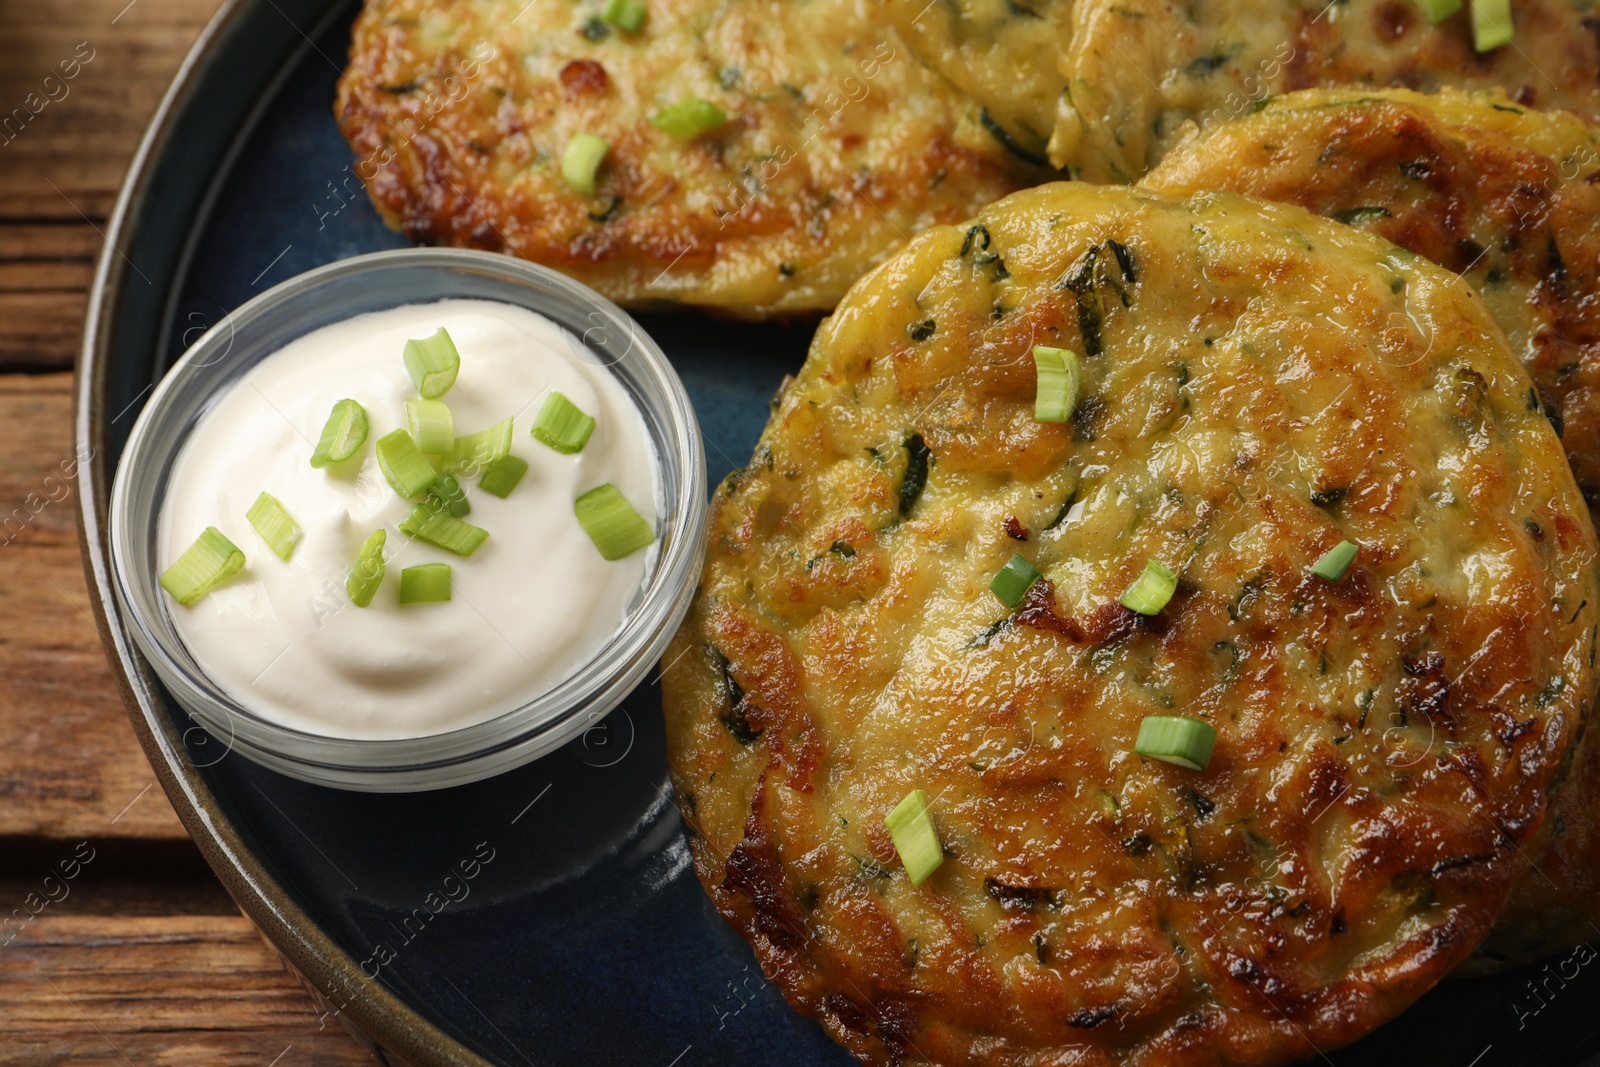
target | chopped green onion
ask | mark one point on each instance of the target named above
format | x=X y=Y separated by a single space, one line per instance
x=1439 y=10
x=1012 y=582
x=446 y=495
x=433 y=364
x=1151 y=591
x=915 y=839
x=1491 y=24
x=625 y=15
x=1176 y=740
x=364 y=578
x=440 y=530
x=343 y=433
x=426 y=583
x=611 y=523
x=401 y=462
x=1060 y=381
x=275 y=525
x=1336 y=561
x=689 y=118
x=580 y=162
x=563 y=425
x=502 y=476
x=431 y=426
x=475 y=451
x=204 y=565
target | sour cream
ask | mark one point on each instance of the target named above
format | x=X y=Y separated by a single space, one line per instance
x=528 y=608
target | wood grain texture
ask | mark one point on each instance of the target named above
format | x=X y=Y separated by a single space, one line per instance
x=95 y=71
x=117 y=896
x=145 y=960
x=78 y=84
x=190 y=989
x=70 y=767
x=44 y=282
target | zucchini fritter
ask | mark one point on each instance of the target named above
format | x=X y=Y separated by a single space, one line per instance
x=1509 y=198
x=1001 y=53
x=1555 y=904
x=1259 y=384
x=1139 y=72
x=838 y=143
x=1505 y=196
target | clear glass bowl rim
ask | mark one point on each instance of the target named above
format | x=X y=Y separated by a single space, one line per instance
x=507 y=740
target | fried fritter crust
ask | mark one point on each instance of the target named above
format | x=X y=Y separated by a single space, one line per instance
x=1001 y=53
x=839 y=143
x=1140 y=72
x=1555 y=904
x=1259 y=384
x=1503 y=195
x=1509 y=198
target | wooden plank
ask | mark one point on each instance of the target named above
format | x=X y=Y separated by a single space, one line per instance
x=78 y=84
x=45 y=273
x=155 y=970
x=43 y=329
x=34 y=460
x=94 y=894
x=28 y=242
x=48 y=276
x=86 y=78
x=70 y=764
x=184 y=989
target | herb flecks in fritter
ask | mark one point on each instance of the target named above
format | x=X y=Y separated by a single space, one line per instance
x=1509 y=198
x=746 y=157
x=1137 y=75
x=1343 y=839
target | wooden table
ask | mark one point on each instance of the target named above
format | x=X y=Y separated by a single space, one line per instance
x=141 y=958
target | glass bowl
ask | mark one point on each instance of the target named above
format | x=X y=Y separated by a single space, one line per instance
x=601 y=333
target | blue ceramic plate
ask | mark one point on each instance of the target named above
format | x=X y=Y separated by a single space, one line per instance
x=549 y=916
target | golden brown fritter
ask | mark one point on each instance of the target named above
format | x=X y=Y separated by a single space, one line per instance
x=838 y=143
x=1505 y=196
x=1509 y=198
x=1555 y=904
x=1000 y=52
x=1259 y=384
x=1139 y=72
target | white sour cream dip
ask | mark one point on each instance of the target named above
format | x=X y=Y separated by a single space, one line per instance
x=530 y=607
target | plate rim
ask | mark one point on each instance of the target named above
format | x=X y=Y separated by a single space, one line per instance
x=379 y=1018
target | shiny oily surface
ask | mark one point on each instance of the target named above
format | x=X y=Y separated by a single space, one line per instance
x=1507 y=197
x=529 y=607
x=1138 y=72
x=1001 y=53
x=839 y=143
x=1260 y=384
